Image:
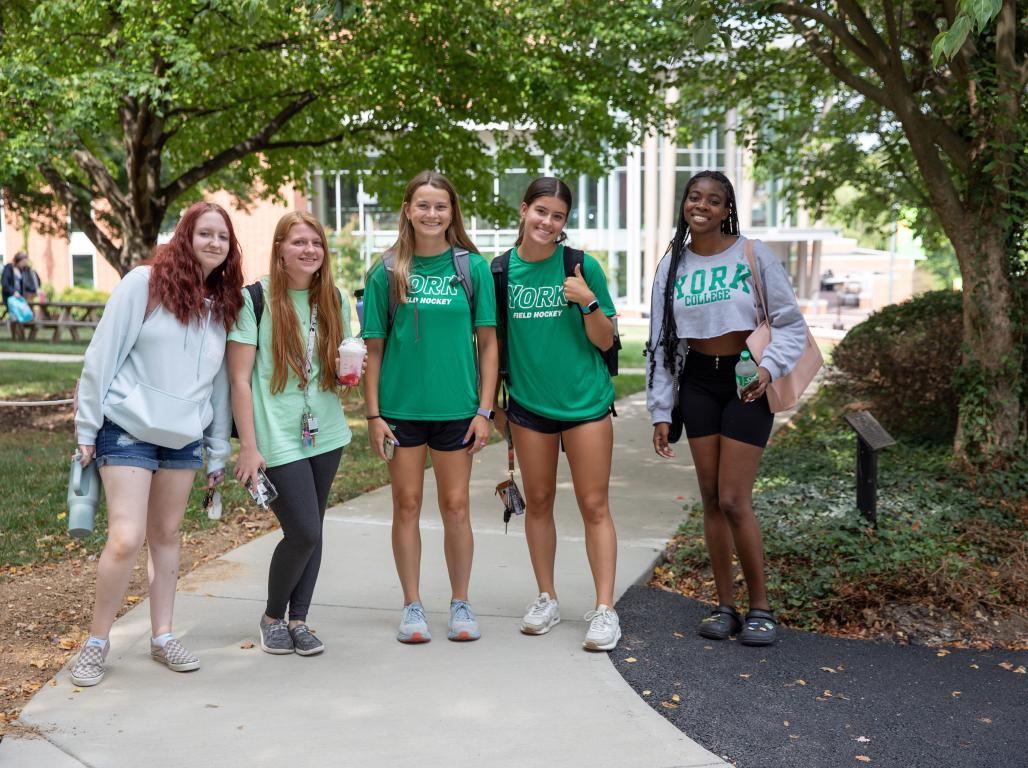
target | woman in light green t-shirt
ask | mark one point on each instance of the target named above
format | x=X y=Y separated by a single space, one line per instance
x=429 y=303
x=560 y=391
x=285 y=400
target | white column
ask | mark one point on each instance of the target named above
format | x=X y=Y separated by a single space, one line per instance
x=651 y=210
x=633 y=224
x=668 y=213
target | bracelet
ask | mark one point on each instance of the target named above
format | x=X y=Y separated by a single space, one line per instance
x=372 y=418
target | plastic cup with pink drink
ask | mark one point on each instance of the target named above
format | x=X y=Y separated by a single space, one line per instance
x=351 y=361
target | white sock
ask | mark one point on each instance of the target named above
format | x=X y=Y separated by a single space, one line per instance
x=161 y=640
x=99 y=642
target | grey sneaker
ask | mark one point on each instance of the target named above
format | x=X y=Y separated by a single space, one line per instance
x=275 y=637
x=174 y=656
x=89 y=667
x=463 y=624
x=604 y=629
x=413 y=626
x=304 y=641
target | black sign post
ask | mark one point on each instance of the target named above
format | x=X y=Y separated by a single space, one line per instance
x=871 y=438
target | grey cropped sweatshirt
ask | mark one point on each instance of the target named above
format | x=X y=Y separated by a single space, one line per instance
x=156 y=373
x=713 y=295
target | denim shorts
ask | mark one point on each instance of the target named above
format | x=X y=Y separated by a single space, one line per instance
x=117 y=448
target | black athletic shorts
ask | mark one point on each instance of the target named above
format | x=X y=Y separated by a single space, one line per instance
x=518 y=414
x=710 y=405
x=440 y=435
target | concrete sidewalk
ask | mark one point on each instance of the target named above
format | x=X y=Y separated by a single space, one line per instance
x=505 y=700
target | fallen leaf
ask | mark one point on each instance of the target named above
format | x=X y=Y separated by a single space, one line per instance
x=862 y=739
x=76 y=690
x=864 y=758
x=974 y=666
x=955 y=694
x=678 y=634
x=1020 y=670
x=826 y=692
x=986 y=720
x=785 y=723
x=647 y=693
x=132 y=599
x=800 y=682
x=37 y=663
x=794 y=735
x=66 y=643
x=828 y=669
x=1006 y=665
x=745 y=677
x=675 y=697
x=246 y=645
x=940 y=654
x=53 y=682
x=62 y=515
x=630 y=660
x=668 y=705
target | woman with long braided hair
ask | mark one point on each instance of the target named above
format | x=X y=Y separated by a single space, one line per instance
x=703 y=308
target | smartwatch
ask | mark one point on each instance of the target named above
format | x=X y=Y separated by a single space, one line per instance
x=592 y=306
x=487 y=413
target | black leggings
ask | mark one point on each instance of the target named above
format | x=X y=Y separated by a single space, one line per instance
x=303 y=488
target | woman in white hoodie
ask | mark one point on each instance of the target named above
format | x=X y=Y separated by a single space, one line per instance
x=154 y=393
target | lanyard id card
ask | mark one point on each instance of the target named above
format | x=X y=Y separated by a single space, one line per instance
x=308 y=421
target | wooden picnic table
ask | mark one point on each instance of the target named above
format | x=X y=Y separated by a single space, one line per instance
x=61 y=316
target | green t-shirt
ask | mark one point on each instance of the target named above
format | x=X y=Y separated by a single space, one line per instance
x=555 y=370
x=276 y=418
x=428 y=371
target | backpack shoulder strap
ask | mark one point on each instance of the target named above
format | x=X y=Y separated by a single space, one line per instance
x=387 y=263
x=572 y=258
x=462 y=266
x=256 y=291
x=499 y=268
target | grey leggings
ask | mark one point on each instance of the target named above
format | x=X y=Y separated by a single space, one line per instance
x=303 y=488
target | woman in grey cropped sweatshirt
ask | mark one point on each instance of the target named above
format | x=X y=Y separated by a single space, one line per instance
x=153 y=394
x=703 y=308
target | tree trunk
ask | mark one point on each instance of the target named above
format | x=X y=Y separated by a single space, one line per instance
x=990 y=422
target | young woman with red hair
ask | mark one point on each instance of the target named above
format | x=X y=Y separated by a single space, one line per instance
x=290 y=421
x=153 y=394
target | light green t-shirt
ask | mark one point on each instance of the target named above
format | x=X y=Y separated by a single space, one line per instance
x=428 y=370
x=555 y=370
x=276 y=418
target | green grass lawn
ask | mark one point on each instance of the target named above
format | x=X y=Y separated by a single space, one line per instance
x=23 y=379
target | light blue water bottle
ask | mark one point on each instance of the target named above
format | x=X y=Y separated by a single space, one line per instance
x=83 y=497
x=745 y=373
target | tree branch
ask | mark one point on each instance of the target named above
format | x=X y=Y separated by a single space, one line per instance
x=872 y=39
x=793 y=12
x=106 y=184
x=254 y=143
x=79 y=213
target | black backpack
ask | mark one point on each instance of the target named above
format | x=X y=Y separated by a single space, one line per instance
x=500 y=267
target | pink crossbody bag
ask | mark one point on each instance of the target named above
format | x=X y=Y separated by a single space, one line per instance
x=784 y=392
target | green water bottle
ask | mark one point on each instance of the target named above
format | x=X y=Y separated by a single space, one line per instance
x=745 y=373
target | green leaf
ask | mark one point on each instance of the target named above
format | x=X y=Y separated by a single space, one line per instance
x=982 y=11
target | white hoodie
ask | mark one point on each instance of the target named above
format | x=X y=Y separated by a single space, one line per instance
x=161 y=381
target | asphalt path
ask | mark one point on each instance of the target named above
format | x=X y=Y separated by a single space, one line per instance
x=814 y=701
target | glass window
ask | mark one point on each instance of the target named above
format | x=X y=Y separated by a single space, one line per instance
x=590 y=204
x=620 y=270
x=82 y=271
x=512 y=189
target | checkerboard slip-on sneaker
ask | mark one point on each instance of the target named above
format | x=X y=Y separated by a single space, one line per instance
x=88 y=668
x=175 y=656
x=305 y=642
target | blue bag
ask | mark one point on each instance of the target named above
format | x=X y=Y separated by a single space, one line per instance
x=18 y=309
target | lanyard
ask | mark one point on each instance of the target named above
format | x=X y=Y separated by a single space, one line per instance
x=311 y=334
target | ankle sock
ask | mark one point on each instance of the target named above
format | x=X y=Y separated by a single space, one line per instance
x=97 y=642
x=161 y=640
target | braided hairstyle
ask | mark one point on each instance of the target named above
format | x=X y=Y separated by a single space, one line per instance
x=667 y=339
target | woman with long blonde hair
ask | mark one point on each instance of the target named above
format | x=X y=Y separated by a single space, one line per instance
x=428 y=308
x=288 y=415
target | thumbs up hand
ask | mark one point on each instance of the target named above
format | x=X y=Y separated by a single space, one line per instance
x=576 y=290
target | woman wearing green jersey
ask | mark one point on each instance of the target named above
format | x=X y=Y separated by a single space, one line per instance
x=560 y=391
x=423 y=319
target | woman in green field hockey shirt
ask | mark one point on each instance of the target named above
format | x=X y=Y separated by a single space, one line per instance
x=422 y=386
x=560 y=390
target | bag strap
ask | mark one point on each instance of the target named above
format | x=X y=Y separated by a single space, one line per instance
x=462 y=266
x=256 y=291
x=572 y=258
x=499 y=268
x=755 y=274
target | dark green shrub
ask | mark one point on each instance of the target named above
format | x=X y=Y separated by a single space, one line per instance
x=902 y=359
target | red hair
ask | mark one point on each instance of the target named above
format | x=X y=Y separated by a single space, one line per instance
x=176 y=278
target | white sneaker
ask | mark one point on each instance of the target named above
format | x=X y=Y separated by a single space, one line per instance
x=604 y=630
x=542 y=615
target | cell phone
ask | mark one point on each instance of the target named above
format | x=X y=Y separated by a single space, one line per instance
x=264 y=491
x=388 y=448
